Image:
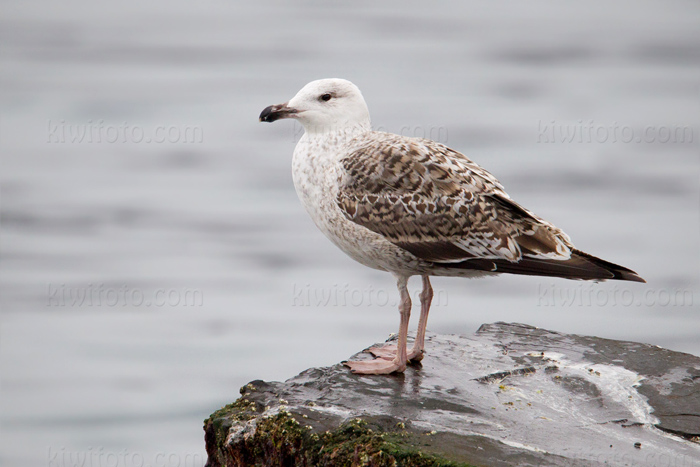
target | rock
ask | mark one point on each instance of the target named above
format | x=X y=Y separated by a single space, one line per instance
x=510 y=395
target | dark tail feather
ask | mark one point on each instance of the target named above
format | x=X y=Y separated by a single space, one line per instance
x=619 y=272
x=580 y=266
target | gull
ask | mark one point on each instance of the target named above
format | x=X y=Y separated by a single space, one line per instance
x=412 y=206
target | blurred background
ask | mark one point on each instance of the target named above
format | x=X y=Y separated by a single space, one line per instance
x=155 y=256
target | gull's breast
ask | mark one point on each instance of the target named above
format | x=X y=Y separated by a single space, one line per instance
x=315 y=171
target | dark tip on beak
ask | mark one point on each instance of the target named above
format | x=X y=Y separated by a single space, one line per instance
x=267 y=114
x=276 y=112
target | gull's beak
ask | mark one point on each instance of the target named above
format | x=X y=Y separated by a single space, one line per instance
x=276 y=112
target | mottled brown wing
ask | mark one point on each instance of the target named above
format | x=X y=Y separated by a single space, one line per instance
x=438 y=204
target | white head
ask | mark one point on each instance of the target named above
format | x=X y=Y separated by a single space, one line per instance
x=324 y=105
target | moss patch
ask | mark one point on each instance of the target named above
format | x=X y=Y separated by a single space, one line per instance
x=280 y=440
x=217 y=426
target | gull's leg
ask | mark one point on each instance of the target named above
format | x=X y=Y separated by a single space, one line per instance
x=426 y=297
x=382 y=366
x=416 y=354
x=405 y=310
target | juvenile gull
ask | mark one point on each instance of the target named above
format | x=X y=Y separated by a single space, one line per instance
x=411 y=206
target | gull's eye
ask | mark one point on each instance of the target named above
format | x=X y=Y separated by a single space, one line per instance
x=325 y=97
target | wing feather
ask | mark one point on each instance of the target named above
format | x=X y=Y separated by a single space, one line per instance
x=438 y=204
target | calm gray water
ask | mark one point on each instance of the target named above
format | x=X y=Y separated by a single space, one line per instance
x=144 y=282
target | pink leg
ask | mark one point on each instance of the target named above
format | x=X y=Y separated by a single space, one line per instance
x=426 y=298
x=416 y=353
x=381 y=366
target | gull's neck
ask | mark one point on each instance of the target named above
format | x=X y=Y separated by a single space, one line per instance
x=336 y=133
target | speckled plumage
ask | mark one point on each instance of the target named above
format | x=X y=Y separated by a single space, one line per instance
x=412 y=206
x=435 y=202
x=317 y=172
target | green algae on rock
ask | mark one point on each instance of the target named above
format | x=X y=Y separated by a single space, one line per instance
x=281 y=440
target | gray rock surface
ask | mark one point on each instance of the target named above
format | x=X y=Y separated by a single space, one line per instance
x=511 y=394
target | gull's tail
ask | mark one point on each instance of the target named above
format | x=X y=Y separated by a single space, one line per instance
x=580 y=266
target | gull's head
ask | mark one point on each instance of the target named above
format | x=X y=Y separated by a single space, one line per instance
x=322 y=106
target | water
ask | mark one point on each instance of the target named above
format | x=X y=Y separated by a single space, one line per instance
x=214 y=218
